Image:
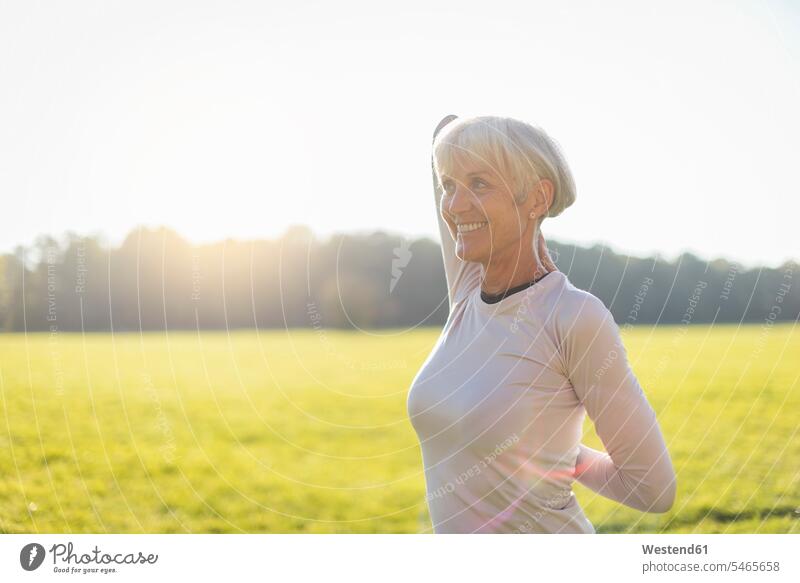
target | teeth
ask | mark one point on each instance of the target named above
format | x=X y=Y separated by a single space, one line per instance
x=467 y=227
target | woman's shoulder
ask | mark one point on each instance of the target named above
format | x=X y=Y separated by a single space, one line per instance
x=576 y=310
x=583 y=327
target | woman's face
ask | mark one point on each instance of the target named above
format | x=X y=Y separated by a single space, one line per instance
x=476 y=196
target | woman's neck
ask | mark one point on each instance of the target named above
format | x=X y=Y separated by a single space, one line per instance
x=511 y=270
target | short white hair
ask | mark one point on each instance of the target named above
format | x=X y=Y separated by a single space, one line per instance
x=519 y=152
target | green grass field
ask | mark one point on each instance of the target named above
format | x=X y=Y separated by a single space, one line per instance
x=306 y=431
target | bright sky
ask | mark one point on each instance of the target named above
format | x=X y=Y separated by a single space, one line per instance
x=680 y=121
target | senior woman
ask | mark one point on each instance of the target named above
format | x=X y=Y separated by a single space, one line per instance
x=499 y=404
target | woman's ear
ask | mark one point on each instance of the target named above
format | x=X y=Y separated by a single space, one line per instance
x=543 y=198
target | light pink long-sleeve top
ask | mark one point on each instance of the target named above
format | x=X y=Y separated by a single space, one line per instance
x=499 y=405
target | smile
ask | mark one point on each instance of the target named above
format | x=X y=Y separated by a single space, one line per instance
x=467 y=227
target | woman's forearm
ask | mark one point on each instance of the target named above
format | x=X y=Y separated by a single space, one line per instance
x=591 y=468
x=596 y=470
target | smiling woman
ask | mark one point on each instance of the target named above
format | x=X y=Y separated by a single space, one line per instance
x=517 y=153
x=499 y=404
x=497 y=174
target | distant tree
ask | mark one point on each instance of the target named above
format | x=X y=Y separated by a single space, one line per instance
x=157 y=280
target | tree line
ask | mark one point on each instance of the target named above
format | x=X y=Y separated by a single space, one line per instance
x=157 y=280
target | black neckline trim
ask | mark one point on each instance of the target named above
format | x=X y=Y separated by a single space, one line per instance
x=493 y=299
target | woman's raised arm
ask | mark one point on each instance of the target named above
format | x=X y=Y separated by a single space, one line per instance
x=456 y=270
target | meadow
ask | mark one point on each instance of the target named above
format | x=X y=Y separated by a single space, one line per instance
x=306 y=431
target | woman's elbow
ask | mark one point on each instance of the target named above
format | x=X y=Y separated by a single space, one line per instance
x=662 y=495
